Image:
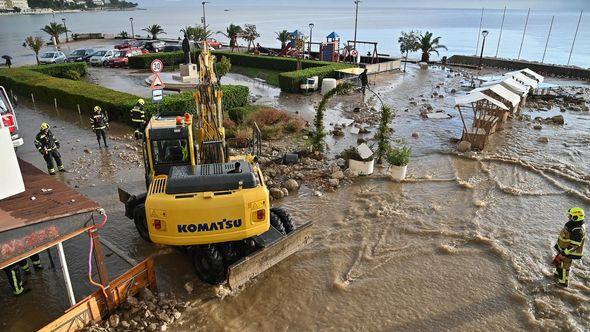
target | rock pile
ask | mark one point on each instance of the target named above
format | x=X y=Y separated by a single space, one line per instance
x=147 y=312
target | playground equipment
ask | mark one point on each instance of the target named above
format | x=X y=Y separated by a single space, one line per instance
x=291 y=47
x=349 y=50
x=329 y=49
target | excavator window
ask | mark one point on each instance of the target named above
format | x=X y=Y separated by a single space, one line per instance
x=173 y=151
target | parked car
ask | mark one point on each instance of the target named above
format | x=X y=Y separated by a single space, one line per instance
x=199 y=45
x=81 y=54
x=128 y=43
x=154 y=46
x=121 y=57
x=172 y=48
x=52 y=57
x=213 y=43
x=100 y=57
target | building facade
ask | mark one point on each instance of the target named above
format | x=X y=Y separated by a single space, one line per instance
x=9 y=4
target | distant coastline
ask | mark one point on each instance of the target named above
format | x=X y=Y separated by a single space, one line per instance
x=50 y=11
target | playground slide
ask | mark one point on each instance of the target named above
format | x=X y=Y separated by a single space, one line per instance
x=285 y=50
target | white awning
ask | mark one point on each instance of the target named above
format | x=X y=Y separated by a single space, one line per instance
x=530 y=74
x=504 y=93
x=510 y=84
x=520 y=77
x=476 y=96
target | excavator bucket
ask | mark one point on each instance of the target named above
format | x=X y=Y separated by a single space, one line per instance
x=250 y=266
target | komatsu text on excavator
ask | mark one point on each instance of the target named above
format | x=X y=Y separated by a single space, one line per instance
x=215 y=206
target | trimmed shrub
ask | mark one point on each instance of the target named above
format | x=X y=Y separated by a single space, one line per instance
x=68 y=93
x=61 y=70
x=72 y=75
x=291 y=81
x=233 y=96
x=144 y=61
x=239 y=114
x=267 y=62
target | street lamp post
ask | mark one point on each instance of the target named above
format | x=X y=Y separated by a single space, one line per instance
x=204 y=18
x=483 y=43
x=66 y=28
x=356 y=2
x=132 y=32
x=311 y=25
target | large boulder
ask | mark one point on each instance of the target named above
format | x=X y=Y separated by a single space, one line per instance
x=338 y=175
x=276 y=193
x=558 y=120
x=464 y=146
x=291 y=185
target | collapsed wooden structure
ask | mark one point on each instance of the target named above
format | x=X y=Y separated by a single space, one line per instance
x=493 y=102
x=47 y=214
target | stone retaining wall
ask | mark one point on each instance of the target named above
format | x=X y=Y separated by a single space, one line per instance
x=543 y=69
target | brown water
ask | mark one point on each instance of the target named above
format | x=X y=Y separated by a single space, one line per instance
x=464 y=244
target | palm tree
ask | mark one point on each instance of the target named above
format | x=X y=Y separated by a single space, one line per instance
x=232 y=32
x=196 y=33
x=123 y=34
x=250 y=34
x=35 y=44
x=154 y=30
x=54 y=30
x=429 y=45
x=283 y=37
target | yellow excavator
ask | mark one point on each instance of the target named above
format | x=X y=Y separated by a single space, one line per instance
x=215 y=206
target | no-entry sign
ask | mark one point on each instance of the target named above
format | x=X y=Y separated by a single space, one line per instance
x=156 y=66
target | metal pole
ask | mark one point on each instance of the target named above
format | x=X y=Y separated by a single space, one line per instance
x=132 y=32
x=310 y=36
x=33 y=99
x=66 y=274
x=483 y=43
x=501 y=28
x=204 y=18
x=548 y=35
x=575 y=35
x=355 y=22
x=479 y=32
x=65 y=27
x=524 y=32
x=55 y=103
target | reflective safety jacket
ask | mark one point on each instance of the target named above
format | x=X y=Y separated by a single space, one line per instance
x=46 y=141
x=137 y=114
x=99 y=121
x=571 y=239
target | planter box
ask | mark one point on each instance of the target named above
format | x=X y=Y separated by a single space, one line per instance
x=361 y=167
x=398 y=172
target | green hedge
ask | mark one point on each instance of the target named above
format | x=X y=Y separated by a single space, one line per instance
x=234 y=96
x=68 y=93
x=143 y=61
x=61 y=69
x=267 y=62
x=291 y=81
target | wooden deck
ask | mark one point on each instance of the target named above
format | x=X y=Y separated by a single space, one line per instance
x=58 y=202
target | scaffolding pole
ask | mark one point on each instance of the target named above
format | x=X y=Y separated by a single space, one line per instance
x=548 y=35
x=501 y=28
x=524 y=32
x=479 y=32
x=575 y=35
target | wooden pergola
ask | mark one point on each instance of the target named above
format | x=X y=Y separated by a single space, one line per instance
x=485 y=120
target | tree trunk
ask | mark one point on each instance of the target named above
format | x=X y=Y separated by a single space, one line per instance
x=406 y=62
x=283 y=45
x=37 y=57
x=425 y=57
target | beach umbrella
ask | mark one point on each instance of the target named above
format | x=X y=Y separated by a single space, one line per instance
x=7 y=57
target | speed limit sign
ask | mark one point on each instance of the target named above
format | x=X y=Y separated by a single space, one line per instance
x=156 y=66
x=354 y=53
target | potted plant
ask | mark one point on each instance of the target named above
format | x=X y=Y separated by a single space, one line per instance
x=358 y=164
x=398 y=159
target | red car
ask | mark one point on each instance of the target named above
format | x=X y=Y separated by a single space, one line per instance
x=213 y=43
x=128 y=43
x=121 y=58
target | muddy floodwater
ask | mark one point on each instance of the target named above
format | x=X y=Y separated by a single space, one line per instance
x=464 y=244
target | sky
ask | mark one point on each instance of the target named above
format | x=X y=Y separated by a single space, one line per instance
x=574 y=5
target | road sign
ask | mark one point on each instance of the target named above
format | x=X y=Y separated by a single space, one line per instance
x=157 y=83
x=157 y=95
x=354 y=53
x=156 y=66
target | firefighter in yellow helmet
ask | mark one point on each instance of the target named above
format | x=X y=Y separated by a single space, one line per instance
x=570 y=244
x=138 y=118
x=47 y=144
x=99 y=123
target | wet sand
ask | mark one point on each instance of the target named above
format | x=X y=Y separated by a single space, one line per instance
x=465 y=243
